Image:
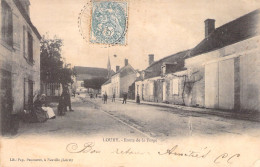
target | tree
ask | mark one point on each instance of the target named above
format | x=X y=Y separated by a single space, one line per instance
x=189 y=81
x=53 y=68
x=94 y=83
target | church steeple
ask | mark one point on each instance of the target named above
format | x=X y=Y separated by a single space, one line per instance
x=108 y=68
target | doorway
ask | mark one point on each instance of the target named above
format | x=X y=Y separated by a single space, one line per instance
x=219 y=85
x=6 y=101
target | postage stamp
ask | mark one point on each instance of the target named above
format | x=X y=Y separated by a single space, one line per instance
x=109 y=22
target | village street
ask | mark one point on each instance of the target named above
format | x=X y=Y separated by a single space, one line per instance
x=92 y=118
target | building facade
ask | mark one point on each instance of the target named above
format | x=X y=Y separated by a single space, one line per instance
x=120 y=81
x=20 y=60
x=227 y=66
x=106 y=88
x=155 y=83
x=221 y=72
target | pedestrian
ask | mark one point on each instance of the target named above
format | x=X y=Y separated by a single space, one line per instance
x=96 y=95
x=61 y=105
x=66 y=94
x=105 y=98
x=138 y=99
x=124 y=98
x=113 y=97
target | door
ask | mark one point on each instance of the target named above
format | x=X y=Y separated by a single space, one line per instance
x=30 y=94
x=6 y=101
x=226 y=84
x=164 y=91
x=158 y=91
x=211 y=85
x=219 y=85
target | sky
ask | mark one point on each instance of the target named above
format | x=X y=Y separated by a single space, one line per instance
x=159 y=27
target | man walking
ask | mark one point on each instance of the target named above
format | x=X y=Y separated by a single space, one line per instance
x=124 y=98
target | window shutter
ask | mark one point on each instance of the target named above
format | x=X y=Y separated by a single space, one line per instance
x=7 y=23
x=30 y=47
x=24 y=42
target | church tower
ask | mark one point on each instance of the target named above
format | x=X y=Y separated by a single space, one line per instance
x=108 y=68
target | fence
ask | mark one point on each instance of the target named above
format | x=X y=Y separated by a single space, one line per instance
x=51 y=89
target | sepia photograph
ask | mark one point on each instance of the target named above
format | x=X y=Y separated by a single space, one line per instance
x=122 y=83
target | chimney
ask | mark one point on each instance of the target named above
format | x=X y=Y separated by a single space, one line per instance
x=117 y=68
x=126 y=62
x=209 y=26
x=151 y=58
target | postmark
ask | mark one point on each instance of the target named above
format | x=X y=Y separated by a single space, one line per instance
x=108 y=22
x=84 y=20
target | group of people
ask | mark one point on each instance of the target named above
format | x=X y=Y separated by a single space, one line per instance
x=113 y=98
x=40 y=112
x=105 y=98
x=92 y=96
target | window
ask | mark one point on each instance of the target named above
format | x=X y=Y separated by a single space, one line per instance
x=163 y=68
x=16 y=32
x=175 y=86
x=7 y=23
x=30 y=48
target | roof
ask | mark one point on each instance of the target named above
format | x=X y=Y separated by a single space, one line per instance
x=112 y=72
x=90 y=71
x=138 y=79
x=27 y=18
x=125 y=70
x=107 y=82
x=235 y=31
x=154 y=69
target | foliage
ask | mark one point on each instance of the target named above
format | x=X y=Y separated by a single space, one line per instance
x=94 y=83
x=53 y=67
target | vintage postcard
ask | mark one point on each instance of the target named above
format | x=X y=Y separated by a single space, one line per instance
x=122 y=83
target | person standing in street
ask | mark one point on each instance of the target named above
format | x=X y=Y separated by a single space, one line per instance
x=105 y=98
x=138 y=99
x=124 y=98
x=113 y=97
x=67 y=98
x=61 y=105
